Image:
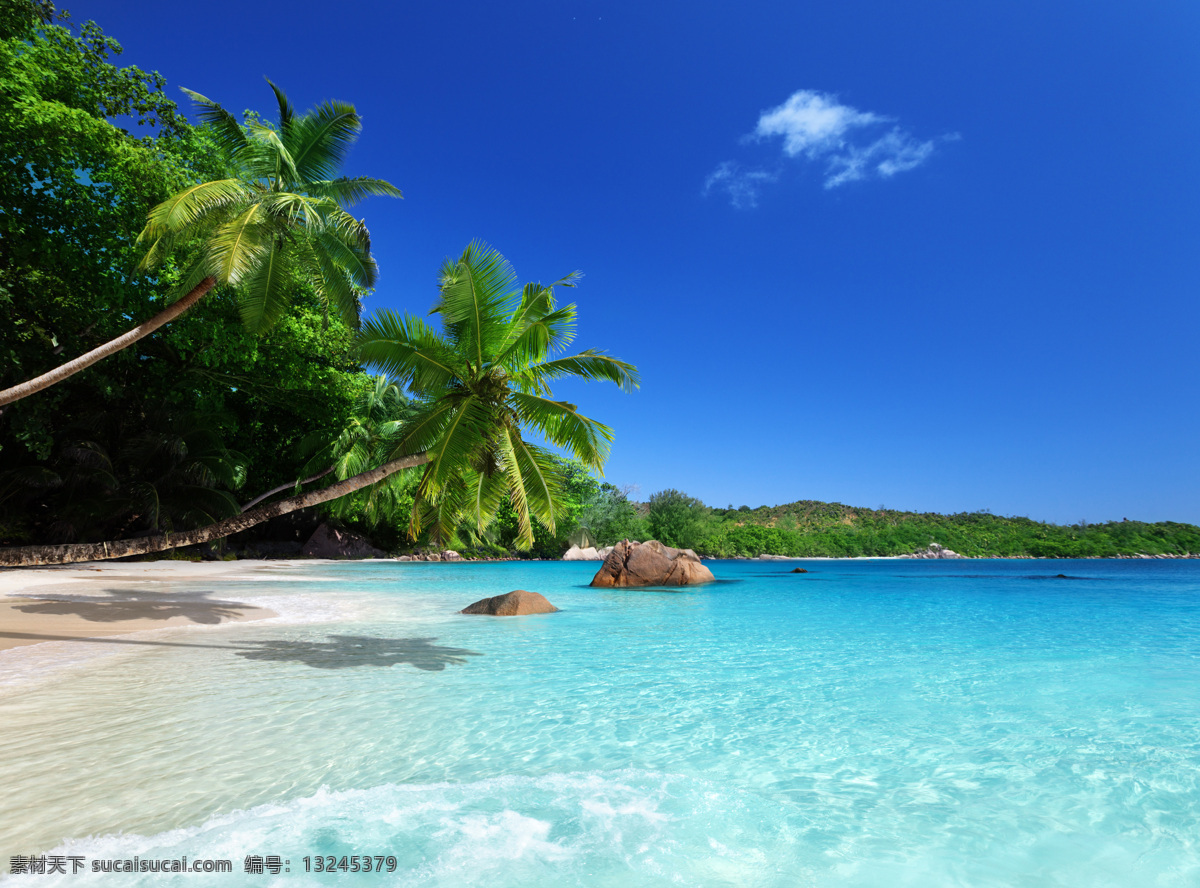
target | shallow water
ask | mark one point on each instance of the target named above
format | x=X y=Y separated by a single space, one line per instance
x=881 y=723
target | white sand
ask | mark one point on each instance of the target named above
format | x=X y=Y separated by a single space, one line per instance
x=40 y=604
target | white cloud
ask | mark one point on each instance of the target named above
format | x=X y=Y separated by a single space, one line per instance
x=894 y=152
x=850 y=144
x=741 y=185
x=813 y=123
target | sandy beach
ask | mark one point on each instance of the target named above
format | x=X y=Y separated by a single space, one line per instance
x=98 y=599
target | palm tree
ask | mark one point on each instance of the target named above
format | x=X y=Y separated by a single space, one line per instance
x=281 y=220
x=481 y=384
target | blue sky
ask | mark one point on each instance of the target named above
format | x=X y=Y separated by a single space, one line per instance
x=935 y=256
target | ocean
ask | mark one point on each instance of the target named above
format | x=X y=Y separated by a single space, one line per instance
x=870 y=723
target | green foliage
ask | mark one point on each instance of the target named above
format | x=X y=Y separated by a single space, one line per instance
x=610 y=516
x=676 y=519
x=365 y=441
x=811 y=528
x=75 y=188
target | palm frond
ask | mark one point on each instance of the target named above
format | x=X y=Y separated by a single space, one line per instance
x=284 y=171
x=515 y=482
x=334 y=285
x=264 y=290
x=473 y=294
x=466 y=425
x=542 y=335
x=226 y=130
x=349 y=245
x=486 y=496
x=543 y=480
x=349 y=191
x=286 y=112
x=423 y=431
x=443 y=514
x=408 y=350
x=290 y=209
x=563 y=425
x=590 y=364
x=189 y=209
x=320 y=139
x=237 y=247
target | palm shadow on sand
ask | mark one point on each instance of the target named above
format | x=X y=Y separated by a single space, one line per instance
x=121 y=605
x=348 y=651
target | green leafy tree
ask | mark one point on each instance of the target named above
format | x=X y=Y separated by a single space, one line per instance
x=676 y=519
x=279 y=222
x=74 y=190
x=610 y=516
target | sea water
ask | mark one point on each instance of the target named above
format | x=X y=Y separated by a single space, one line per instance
x=869 y=723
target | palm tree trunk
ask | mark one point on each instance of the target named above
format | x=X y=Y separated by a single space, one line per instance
x=27 y=556
x=258 y=499
x=58 y=374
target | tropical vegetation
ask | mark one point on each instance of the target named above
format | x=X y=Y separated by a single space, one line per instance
x=812 y=528
x=157 y=446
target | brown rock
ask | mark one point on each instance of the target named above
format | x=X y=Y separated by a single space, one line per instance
x=799 y=570
x=329 y=543
x=650 y=564
x=514 y=604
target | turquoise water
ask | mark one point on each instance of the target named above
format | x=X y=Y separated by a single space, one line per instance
x=890 y=723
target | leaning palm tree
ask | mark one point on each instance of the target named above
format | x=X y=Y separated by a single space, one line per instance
x=481 y=383
x=281 y=220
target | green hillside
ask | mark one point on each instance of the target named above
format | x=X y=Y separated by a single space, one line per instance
x=812 y=528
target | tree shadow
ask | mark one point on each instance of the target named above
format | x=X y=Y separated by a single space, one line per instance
x=121 y=605
x=348 y=651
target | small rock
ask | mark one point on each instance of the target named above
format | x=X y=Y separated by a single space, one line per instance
x=799 y=570
x=514 y=604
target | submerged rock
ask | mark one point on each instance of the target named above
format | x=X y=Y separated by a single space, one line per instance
x=650 y=564
x=799 y=570
x=326 y=542
x=513 y=604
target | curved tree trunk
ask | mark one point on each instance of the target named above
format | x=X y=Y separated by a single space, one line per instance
x=282 y=487
x=58 y=374
x=27 y=556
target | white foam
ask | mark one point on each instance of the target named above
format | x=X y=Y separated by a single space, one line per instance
x=594 y=829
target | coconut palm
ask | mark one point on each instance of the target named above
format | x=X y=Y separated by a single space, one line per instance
x=481 y=384
x=280 y=221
